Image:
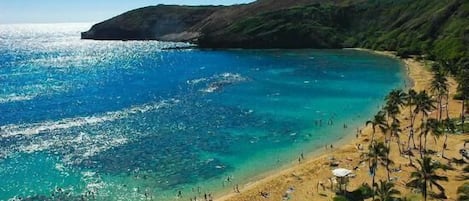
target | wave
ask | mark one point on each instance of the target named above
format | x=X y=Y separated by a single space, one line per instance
x=218 y=82
x=15 y=98
x=47 y=126
x=30 y=92
x=73 y=146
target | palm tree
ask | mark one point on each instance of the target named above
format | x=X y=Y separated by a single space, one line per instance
x=450 y=126
x=423 y=104
x=463 y=88
x=392 y=110
x=379 y=121
x=395 y=132
x=431 y=126
x=425 y=176
x=397 y=97
x=394 y=101
x=463 y=192
x=377 y=155
x=386 y=191
x=439 y=87
x=410 y=101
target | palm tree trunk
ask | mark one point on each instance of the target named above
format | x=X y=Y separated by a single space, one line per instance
x=463 y=111
x=408 y=140
x=373 y=185
x=424 y=119
x=398 y=141
x=387 y=160
x=412 y=121
x=375 y=170
x=424 y=191
x=410 y=158
x=447 y=105
x=425 y=144
x=444 y=146
x=440 y=107
x=411 y=127
x=413 y=139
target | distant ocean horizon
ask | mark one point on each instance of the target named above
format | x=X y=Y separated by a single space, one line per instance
x=116 y=120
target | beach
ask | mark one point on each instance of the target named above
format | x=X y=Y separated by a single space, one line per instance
x=311 y=178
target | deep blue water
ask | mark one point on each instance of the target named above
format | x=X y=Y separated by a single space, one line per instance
x=125 y=119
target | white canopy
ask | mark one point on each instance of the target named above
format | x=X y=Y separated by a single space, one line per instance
x=341 y=172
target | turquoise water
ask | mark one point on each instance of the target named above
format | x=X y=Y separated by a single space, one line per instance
x=117 y=120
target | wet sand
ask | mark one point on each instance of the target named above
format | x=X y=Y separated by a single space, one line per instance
x=303 y=181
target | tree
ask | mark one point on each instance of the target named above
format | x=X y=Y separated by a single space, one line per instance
x=423 y=104
x=463 y=89
x=395 y=132
x=377 y=155
x=432 y=127
x=425 y=176
x=410 y=101
x=396 y=97
x=463 y=192
x=450 y=126
x=439 y=87
x=379 y=121
x=385 y=191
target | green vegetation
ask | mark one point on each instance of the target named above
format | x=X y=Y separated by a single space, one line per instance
x=438 y=29
x=385 y=191
x=425 y=176
x=463 y=192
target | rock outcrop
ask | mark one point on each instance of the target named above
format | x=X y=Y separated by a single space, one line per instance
x=162 y=22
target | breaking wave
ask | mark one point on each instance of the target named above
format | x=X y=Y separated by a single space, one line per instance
x=36 y=128
x=218 y=82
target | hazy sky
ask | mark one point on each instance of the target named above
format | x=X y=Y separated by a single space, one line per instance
x=44 y=11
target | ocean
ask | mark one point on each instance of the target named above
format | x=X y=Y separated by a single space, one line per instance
x=129 y=120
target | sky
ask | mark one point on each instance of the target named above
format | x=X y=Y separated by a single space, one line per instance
x=55 y=11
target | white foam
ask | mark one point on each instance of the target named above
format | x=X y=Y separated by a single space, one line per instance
x=36 y=128
x=196 y=81
x=216 y=82
x=15 y=98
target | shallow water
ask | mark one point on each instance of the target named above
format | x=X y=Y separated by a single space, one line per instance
x=127 y=119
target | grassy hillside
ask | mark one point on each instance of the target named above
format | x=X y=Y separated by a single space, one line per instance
x=150 y=22
x=439 y=29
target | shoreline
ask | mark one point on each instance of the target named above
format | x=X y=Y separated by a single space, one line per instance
x=320 y=153
x=316 y=164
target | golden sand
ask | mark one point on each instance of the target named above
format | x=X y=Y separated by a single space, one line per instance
x=306 y=178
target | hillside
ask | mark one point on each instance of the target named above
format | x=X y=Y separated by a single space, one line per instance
x=433 y=27
x=160 y=22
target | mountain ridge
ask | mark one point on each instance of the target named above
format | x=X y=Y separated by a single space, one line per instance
x=438 y=29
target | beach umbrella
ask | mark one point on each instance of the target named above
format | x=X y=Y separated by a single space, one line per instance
x=341 y=172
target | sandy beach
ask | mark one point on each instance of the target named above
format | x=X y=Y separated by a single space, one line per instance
x=311 y=179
